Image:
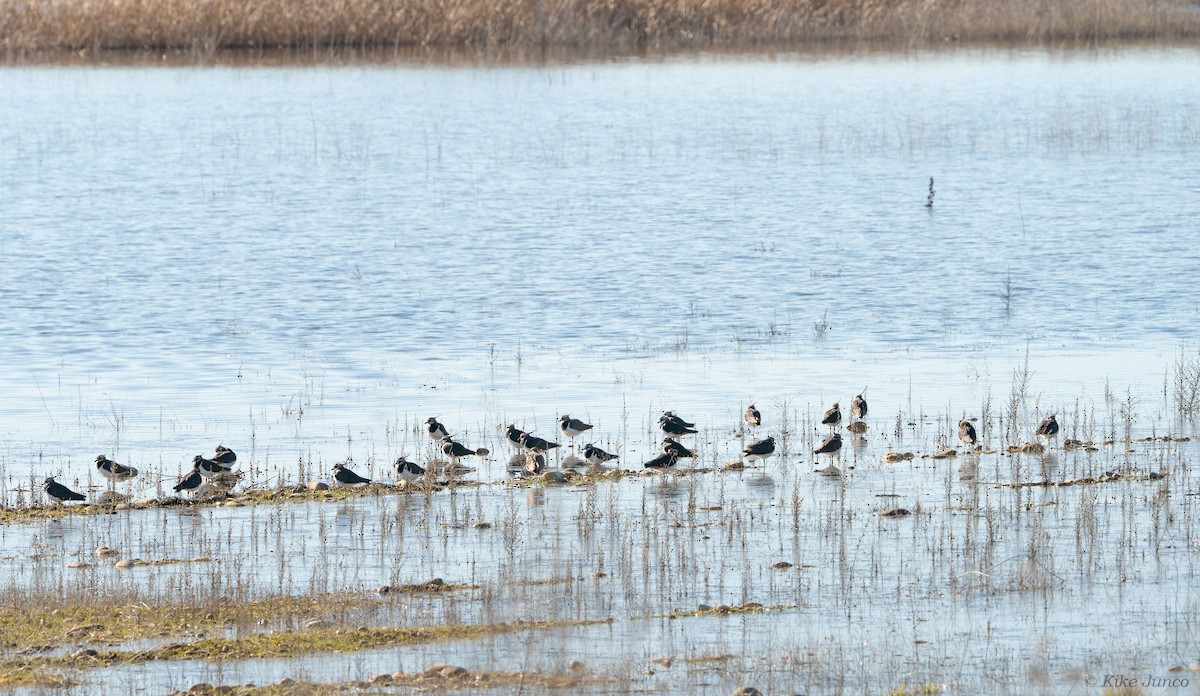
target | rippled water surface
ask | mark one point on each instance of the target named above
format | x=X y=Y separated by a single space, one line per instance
x=304 y=263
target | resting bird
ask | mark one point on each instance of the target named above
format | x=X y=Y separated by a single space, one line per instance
x=207 y=467
x=966 y=433
x=344 y=477
x=662 y=461
x=595 y=456
x=224 y=456
x=676 y=448
x=858 y=407
x=672 y=424
x=830 y=445
x=752 y=417
x=60 y=493
x=190 y=482
x=572 y=427
x=833 y=416
x=406 y=470
x=761 y=449
x=535 y=462
x=1048 y=428
x=114 y=471
x=533 y=442
x=436 y=430
x=457 y=450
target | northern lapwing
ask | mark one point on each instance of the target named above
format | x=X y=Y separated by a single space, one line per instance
x=533 y=442
x=672 y=424
x=595 y=456
x=224 y=456
x=572 y=427
x=406 y=470
x=752 y=417
x=966 y=433
x=677 y=448
x=830 y=445
x=457 y=450
x=435 y=430
x=665 y=460
x=858 y=407
x=114 y=471
x=833 y=416
x=208 y=468
x=760 y=450
x=345 y=477
x=190 y=481
x=1048 y=428
x=60 y=493
x=513 y=435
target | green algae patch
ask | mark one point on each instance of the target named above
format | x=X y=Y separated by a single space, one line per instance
x=24 y=677
x=435 y=678
x=724 y=609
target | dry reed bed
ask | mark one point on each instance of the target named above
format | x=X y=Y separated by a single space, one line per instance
x=209 y=25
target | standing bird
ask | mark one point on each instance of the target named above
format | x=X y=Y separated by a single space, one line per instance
x=532 y=442
x=344 y=477
x=858 y=407
x=672 y=424
x=114 y=471
x=830 y=445
x=595 y=456
x=833 y=416
x=966 y=433
x=513 y=434
x=437 y=431
x=675 y=447
x=60 y=493
x=457 y=450
x=572 y=427
x=761 y=449
x=208 y=468
x=224 y=456
x=665 y=460
x=752 y=417
x=190 y=482
x=406 y=470
x=1048 y=428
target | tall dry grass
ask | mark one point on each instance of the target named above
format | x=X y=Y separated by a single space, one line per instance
x=210 y=25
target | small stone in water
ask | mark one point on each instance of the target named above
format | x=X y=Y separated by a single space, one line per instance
x=318 y=486
x=125 y=563
x=103 y=551
x=664 y=661
x=747 y=691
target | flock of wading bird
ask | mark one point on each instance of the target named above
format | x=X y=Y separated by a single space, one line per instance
x=217 y=474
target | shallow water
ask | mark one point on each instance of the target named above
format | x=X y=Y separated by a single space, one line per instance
x=304 y=263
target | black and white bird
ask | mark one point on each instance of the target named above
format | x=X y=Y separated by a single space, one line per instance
x=752 y=417
x=190 y=482
x=60 y=493
x=533 y=442
x=1048 y=428
x=436 y=431
x=675 y=447
x=966 y=433
x=595 y=456
x=672 y=424
x=345 y=477
x=208 y=468
x=513 y=434
x=457 y=450
x=114 y=471
x=761 y=449
x=830 y=445
x=858 y=407
x=406 y=470
x=665 y=460
x=572 y=427
x=833 y=416
x=224 y=456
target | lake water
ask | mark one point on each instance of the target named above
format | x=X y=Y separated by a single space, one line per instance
x=305 y=262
